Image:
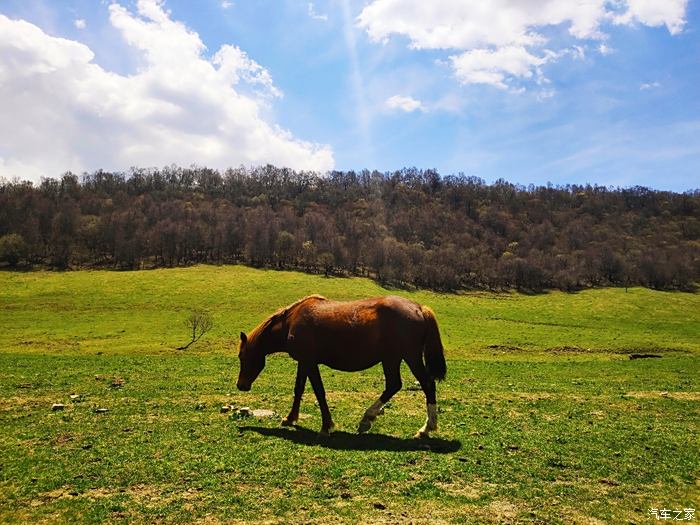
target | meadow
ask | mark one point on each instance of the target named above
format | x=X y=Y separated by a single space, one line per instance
x=544 y=415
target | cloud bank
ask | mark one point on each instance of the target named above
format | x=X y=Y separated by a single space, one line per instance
x=62 y=111
x=503 y=42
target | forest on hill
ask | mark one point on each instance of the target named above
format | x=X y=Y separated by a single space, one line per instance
x=405 y=228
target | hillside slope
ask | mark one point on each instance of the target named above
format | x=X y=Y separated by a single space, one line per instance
x=143 y=311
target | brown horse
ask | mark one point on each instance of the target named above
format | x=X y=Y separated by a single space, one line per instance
x=349 y=336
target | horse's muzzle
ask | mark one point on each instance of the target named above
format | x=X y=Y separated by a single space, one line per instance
x=242 y=387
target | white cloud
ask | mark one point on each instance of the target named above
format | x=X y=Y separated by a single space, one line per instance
x=669 y=13
x=605 y=50
x=578 y=52
x=314 y=15
x=469 y=24
x=79 y=23
x=649 y=85
x=226 y=4
x=235 y=64
x=502 y=40
x=404 y=103
x=61 y=111
x=483 y=66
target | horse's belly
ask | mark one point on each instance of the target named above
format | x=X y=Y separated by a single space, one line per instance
x=350 y=350
x=348 y=362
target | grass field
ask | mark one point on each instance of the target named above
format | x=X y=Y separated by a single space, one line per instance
x=544 y=417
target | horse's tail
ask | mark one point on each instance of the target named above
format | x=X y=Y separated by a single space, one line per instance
x=432 y=349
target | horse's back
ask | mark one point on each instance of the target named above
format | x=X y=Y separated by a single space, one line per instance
x=388 y=308
x=353 y=335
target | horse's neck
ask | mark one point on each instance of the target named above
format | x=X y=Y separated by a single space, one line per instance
x=276 y=337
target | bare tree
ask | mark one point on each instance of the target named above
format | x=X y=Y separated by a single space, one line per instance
x=199 y=322
x=408 y=227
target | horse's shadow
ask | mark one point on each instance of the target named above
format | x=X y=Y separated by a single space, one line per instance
x=340 y=440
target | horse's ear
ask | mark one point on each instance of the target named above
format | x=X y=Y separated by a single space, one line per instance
x=244 y=338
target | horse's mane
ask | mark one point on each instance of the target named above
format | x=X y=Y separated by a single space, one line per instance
x=282 y=312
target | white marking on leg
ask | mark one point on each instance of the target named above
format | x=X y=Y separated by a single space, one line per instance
x=370 y=415
x=430 y=422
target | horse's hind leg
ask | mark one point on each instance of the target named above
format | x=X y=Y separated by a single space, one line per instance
x=427 y=383
x=392 y=378
x=299 y=386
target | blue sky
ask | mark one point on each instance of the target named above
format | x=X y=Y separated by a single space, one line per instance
x=530 y=91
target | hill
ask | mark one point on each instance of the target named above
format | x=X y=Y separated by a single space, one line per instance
x=407 y=228
x=544 y=416
x=142 y=311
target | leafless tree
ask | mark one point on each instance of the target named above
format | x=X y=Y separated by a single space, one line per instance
x=406 y=228
x=198 y=323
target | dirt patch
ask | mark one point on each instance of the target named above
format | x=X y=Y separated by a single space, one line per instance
x=28 y=402
x=98 y=493
x=534 y=396
x=576 y=518
x=660 y=394
x=147 y=495
x=640 y=353
x=64 y=438
x=464 y=490
x=56 y=494
x=503 y=511
x=303 y=481
x=567 y=349
x=117 y=382
x=509 y=348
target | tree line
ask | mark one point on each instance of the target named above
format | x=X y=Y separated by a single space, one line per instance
x=406 y=228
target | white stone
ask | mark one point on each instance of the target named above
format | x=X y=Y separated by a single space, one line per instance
x=263 y=412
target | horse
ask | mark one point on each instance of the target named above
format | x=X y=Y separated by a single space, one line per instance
x=349 y=336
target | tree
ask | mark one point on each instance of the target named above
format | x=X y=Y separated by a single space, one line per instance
x=409 y=227
x=198 y=323
x=326 y=260
x=284 y=248
x=13 y=249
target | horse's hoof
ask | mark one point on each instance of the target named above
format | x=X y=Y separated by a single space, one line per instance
x=363 y=427
x=421 y=434
x=286 y=422
x=325 y=432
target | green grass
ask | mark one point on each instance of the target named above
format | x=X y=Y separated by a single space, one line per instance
x=544 y=418
x=142 y=312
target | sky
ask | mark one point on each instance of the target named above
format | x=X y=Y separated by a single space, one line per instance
x=531 y=91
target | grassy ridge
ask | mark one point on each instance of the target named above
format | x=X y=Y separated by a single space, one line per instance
x=142 y=311
x=526 y=435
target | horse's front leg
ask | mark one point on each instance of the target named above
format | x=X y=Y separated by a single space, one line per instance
x=316 y=383
x=299 y=386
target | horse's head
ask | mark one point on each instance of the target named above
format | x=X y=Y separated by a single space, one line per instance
x=252 y=359
x=268 y=337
